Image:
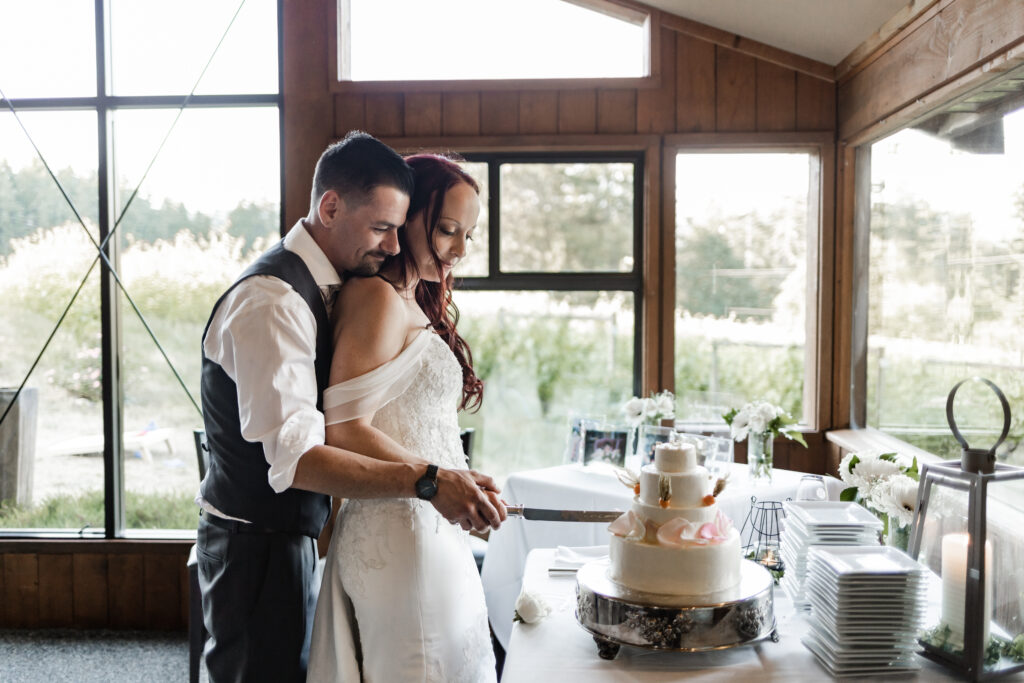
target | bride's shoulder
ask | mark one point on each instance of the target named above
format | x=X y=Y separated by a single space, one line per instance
x=369 y=321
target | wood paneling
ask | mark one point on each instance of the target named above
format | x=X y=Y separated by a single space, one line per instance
x=577 y=111
x=162 y=595
x=309 y=115
x=843 y=284
x=656 y=107
x=776 y=97
x=616 y=111
x=815 y=104
x=747 y=46
x=385 y=114
x=959 y=38
x=349 y=114
x=695 y=85
x=90 y=590
x=126 y=573
x=423 y=113
x=735 y=91
x=93 y=584
x=55 y=591
x=21 y=590
x=499 y=113
x=460 y=113
x=538 y=112
x=886 y=35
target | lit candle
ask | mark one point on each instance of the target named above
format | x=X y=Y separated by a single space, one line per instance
x=954 y=584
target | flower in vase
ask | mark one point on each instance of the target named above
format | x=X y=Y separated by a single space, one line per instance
x=762 y=418
x=895 y=496
x=652 y=410
x=864 y=471
x=634 y=411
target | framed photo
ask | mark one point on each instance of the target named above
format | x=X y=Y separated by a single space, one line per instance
x=649 y=436
x=604 y=443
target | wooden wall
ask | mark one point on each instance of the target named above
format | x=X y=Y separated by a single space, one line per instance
x=708 y=81
x=94 y=584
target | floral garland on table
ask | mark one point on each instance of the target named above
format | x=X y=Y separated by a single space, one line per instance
x=885 y=483
x=659 y=406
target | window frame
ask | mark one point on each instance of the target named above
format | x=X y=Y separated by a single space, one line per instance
x=820 y=315
x=337 y=42
x=104 y=105
x=856 y=159
x=496 y=280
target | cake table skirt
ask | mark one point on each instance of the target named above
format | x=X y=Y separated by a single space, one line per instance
x=617 y=616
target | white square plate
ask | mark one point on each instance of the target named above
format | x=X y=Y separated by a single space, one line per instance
x=864 y=561
x=831 y=513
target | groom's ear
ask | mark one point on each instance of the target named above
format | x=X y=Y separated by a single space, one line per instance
x=329 y=207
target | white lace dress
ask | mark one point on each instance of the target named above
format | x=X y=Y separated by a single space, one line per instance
x=401 y=598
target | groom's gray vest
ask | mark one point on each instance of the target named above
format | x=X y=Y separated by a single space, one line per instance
x=236 y=482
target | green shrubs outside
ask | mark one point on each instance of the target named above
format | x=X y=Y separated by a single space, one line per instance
x=85 y=510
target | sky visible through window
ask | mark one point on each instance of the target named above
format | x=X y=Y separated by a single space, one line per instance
x=490 y=39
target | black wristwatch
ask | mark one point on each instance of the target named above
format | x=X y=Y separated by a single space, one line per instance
x=426 y=486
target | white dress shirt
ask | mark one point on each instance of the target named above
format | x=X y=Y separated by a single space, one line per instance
x=264 y=337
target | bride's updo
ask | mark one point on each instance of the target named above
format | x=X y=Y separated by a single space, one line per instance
x=434 y=176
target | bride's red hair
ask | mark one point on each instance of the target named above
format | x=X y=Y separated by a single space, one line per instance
x=434 y=176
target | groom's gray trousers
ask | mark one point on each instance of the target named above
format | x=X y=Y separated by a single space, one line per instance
x=258 y=601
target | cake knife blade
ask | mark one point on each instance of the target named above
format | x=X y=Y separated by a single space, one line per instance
x=542 y=514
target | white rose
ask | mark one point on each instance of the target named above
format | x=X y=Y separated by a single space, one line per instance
x=531 y=608
x=665 y=405
x=650 y=408
x=634 y=410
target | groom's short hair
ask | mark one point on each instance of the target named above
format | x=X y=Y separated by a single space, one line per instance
x=355 y=165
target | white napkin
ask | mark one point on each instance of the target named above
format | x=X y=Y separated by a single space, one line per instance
x=574 y=558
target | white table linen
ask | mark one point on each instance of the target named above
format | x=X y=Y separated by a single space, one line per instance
x=574 y=487
x=558 y=649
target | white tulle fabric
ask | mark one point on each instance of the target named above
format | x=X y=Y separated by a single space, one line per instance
x=364 y=395
x=401 y=598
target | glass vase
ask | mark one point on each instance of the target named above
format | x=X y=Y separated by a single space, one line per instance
x=898 y=535
x=760 y=450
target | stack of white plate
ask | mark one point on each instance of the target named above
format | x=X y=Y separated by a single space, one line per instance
x=867 y=607
x=820 y=523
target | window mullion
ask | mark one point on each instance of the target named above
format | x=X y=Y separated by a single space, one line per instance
x=110 y=310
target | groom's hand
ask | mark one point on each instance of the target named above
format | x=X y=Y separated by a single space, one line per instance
x=469 y=499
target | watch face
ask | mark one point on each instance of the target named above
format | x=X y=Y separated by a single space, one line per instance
x=426 y=488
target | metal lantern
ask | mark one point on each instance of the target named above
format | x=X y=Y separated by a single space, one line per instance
x=967 y=530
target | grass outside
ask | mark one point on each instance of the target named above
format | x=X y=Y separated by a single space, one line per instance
x=142 y=511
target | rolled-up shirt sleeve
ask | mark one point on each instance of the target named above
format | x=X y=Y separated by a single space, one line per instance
x=266 y=343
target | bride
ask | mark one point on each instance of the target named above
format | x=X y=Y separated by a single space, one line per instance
x=401 y=598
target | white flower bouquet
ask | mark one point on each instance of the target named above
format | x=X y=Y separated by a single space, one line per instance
x=652 y=410
x=761 y=421
x=886 y=484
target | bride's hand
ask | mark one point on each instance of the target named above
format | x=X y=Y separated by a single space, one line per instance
x=469 y=499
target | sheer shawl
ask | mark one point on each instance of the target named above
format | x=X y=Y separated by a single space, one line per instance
x=364 y=395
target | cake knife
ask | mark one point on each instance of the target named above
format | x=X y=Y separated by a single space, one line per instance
x=541 y=514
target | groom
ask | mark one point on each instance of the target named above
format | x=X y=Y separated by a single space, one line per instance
x=266 y=357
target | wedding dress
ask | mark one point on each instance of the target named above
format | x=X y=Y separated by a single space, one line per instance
x=401 y=599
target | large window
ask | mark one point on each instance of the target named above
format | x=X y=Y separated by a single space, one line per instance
x=550 y=300
x=743 y=223
x=151 y=130
x=945 y=290
x=473 y=40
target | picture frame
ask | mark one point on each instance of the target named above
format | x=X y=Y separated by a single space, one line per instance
x=604 y=443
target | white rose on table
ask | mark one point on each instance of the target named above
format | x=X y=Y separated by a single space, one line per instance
x=634 y=410
x=530 y=608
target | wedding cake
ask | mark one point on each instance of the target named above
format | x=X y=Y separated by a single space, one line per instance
x=674 y=540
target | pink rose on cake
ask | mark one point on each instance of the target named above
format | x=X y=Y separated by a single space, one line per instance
x=680 y=532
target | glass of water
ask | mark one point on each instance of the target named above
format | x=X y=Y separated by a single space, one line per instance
x=811 y=487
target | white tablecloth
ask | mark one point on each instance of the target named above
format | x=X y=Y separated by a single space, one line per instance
x=573 y=487
x=558 y=649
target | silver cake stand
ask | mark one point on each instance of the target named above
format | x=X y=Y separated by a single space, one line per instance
x=618 y=616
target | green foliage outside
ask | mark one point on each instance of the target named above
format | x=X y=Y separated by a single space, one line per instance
x=85 y=510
